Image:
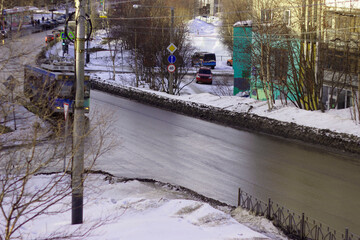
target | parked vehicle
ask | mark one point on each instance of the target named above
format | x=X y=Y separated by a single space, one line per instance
x=204 y=75
x=54 y=22
x=46 y=25
x=62 y=16
x=61 y=19
x=229 y=62
x=204 y=59
x=56 y=33
x=51 y=86
x=49 y=38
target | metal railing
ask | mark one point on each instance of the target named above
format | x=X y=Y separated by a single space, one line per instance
x=294 y=225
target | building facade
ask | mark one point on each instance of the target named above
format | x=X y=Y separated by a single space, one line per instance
x=303 y=53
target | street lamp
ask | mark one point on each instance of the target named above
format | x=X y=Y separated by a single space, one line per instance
x=171 y=77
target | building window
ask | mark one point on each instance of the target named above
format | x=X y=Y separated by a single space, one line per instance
x=342 y=61
x=287 y=17
x=328 y=21
x=266 y=16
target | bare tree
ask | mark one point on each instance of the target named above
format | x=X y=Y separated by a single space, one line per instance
x=294 y=59
x=223 y=87
x=146 y=33
x=233 y=11
x=114 y=46
x=39 y=151
x=36 y=146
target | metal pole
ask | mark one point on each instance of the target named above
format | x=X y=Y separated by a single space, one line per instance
x=136 y=63
x=66 y=16
x=12 y=101
x=67 y=9
x=195 y=8
x=302 y=226
x=346 y=234
x=171 y=77
x=88 y=30
x=65 y=144
x=79 y=116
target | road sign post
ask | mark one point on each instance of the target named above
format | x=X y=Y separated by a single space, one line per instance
x=66 y=113
x=171 y=68
x=171 y=48
x=172 y=59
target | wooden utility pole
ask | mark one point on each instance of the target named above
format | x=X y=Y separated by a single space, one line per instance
x=79 y=117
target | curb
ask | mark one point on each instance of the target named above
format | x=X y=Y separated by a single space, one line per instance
x=239 y=120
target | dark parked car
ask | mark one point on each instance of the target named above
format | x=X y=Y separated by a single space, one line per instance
x=47 y=25
x=54 y=22
x=204 y=75
x=61 y=19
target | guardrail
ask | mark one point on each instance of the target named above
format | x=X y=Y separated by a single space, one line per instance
x=294 y=225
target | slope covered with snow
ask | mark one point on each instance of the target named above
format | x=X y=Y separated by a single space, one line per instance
x=116 y=209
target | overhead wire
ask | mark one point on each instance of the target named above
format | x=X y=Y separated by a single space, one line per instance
x=244 y=11
x=256 y=23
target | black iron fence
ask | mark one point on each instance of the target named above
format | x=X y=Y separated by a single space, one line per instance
x=294 y=225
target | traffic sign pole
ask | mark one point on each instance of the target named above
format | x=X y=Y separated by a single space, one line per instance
x=171 y=68
x=171 y=48
x=66 y=111
x=172 y=59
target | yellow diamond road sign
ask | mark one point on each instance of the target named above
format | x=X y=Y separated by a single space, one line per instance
x=171 y=48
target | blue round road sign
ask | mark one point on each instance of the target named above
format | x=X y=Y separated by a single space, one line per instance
x=171 y=59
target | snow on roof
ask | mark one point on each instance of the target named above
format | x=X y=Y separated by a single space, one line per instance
x=243 y=23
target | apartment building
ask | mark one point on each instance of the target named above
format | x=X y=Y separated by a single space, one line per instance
x=305 y=50
x=209 y=7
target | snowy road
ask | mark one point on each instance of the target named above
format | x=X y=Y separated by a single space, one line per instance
x=215 y=160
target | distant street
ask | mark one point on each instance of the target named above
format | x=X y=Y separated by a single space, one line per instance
x=16 y=52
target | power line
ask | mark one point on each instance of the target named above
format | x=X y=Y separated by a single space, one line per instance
x=247 y=11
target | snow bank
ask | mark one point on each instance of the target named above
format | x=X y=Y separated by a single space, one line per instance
x=139 y=210
x=243 y=113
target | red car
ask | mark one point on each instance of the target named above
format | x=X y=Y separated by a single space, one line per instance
x=49 y=38
x=204 y=75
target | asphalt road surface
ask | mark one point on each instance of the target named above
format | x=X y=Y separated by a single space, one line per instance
x=215 y=160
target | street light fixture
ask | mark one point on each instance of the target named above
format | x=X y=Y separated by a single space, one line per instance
x=171 y=77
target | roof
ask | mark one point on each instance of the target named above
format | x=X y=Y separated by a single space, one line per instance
x=243 y=23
